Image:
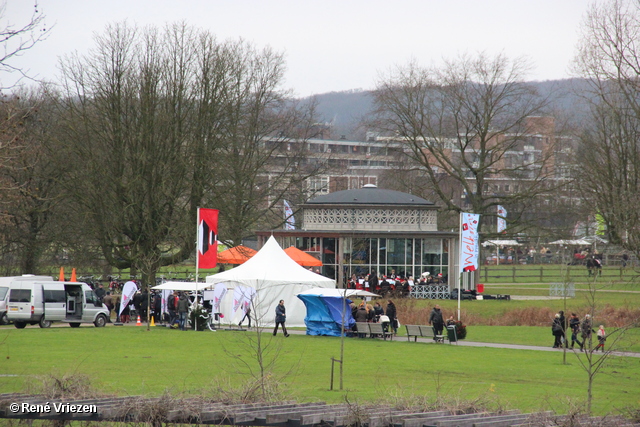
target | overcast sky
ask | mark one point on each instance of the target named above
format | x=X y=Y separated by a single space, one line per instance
x=331 y=45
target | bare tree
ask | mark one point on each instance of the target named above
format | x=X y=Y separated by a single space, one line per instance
x=160 y=122
x=29 y=186
x=608 y=57
x=465 y=124
x=16 y=39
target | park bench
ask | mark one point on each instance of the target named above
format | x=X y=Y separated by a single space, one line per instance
x=373 y=330
x=422 y=331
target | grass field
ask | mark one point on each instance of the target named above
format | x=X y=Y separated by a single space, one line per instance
x=132 y=361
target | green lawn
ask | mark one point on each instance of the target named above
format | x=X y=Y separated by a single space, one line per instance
x=131 y=360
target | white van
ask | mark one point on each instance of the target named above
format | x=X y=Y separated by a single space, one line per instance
x=41 y=300
x=4 y=297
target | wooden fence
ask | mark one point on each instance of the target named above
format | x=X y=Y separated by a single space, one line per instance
x=552 y=273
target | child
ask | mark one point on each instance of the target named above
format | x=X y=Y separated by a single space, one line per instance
x=602 y=337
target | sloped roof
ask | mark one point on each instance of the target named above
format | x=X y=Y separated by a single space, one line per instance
x=370 y=195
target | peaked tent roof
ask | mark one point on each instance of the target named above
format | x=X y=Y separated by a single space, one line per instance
x=271 y=266
x=302 y=258
x=236 y=255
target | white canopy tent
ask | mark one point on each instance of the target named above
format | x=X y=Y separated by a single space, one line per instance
x=274 y=276
x=183 y=286
x=501 y=243
x=578 y=242
x=333 y=292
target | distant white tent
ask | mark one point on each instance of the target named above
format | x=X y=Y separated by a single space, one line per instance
x=577 y=242
x=274 y=276
x=501 y=243
x=183 y=286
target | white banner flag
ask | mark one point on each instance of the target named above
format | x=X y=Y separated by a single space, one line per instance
x=469 y=242
x=289 y=220
x=502 y=219
x=218 y=294
x=128 y=291
x=242 y=297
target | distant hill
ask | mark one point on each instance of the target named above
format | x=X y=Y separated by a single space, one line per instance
x=346 y=110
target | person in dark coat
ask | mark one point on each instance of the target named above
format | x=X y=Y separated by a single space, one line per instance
x=392 y=314
x=436 y=319
x=157 y=308
x=574 y=325
x=281 y=317
x=361 y=314
x=183 y=309
x=556 y=330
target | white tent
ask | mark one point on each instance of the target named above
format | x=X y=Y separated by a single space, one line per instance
x=183 y=286
x=501 y=243
x=578 y=242
x=274 y=276
x=333 y=292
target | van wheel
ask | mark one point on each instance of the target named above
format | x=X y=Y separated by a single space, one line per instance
x=4 y=320
x=20 y=325
x=74 y=325
x=100 y=321
x=44 y=323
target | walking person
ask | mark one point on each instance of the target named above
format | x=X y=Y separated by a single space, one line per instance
x=281 y=317
x=183 y=309
x=436 y=319
x=247 y=315
x=602 y=337
x=574 y=325
x=556 y=331
x=585 y=330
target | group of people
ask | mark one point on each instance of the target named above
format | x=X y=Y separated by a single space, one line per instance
x=579 y=328
x=367 y=313
x=392 y=283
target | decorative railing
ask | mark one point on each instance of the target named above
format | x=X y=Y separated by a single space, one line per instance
x=430 y=292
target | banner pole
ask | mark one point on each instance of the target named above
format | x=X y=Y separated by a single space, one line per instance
x=197 y=257
x=460 y=262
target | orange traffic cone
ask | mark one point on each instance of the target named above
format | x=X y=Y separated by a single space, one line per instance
x=138 y=322
x=61 y=276
x=152 y=322
x=73 y=275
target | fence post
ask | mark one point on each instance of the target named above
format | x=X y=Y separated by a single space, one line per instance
x=541 y=273
x=513 y=273
x=486 y=273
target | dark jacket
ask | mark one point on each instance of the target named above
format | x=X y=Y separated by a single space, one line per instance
x=183 y=304
x=391 y=311
x=436 y=317
x=362 y=315
x=574 y=324
x=281 y=315
x=556 y=327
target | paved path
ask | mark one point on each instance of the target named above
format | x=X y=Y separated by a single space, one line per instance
x=466 y=343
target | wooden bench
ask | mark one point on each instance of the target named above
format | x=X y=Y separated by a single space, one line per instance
x=376 y=329
x=362 y=329
x=373 y=330
x=422 y=331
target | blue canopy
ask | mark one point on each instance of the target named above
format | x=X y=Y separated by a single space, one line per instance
x=324 y=314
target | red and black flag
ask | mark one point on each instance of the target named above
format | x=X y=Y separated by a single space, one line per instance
x=207 y=238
